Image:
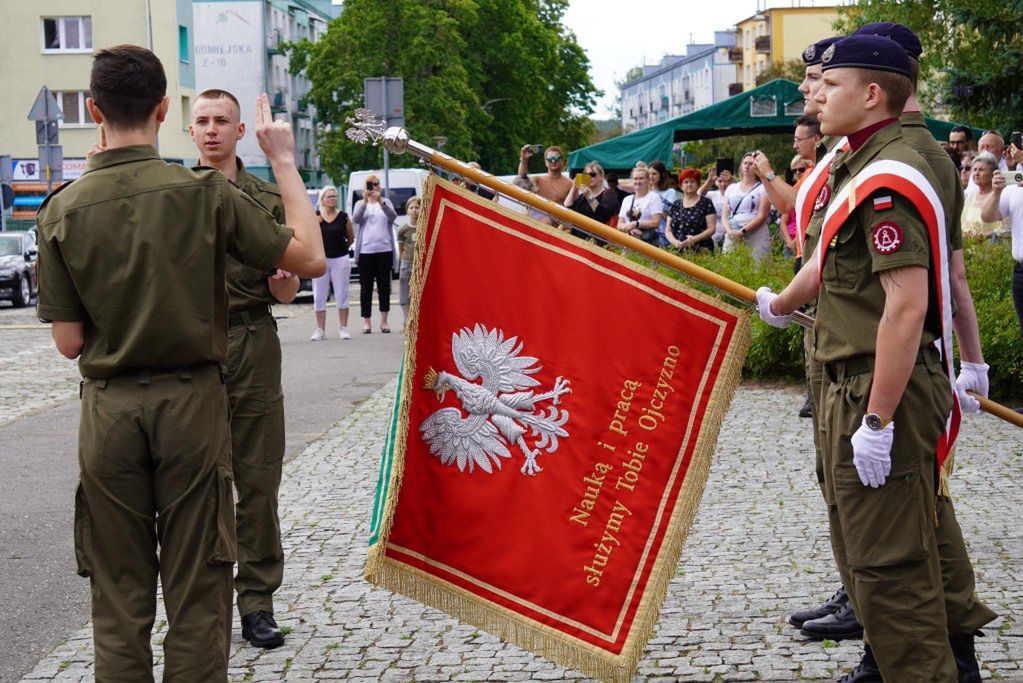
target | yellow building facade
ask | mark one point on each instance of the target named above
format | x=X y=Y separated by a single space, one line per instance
x=777 y=35
x=51 y=42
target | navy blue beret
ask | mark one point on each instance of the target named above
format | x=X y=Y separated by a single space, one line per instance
x=867 y=52
x=897 y=32
x=812 y=53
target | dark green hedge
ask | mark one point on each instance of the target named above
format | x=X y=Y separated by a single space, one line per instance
x=778 y=354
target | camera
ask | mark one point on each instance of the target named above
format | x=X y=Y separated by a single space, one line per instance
x=1016 y=139
x=536 y=149
x=370 y=185
x=1012 y=177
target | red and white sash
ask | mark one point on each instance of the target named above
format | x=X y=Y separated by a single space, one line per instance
x=811 y=187
x=907 y=181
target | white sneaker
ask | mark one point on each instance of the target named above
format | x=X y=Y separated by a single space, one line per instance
x=318 y=335
x=344 y=333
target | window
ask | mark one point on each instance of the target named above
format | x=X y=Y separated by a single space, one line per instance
x=183 y=44
x=72 y=106
x=67 y=34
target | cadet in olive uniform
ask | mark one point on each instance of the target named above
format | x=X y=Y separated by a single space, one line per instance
x=253 y=379
x=132 y=261
x=885 y=395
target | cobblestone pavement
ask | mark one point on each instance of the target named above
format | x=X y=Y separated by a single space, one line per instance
x=758 y=549
x=33 y=375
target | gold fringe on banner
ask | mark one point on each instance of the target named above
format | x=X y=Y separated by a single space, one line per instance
x=529 y=634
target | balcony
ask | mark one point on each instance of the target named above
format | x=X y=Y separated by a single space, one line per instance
x=763 y=45
x=278 y=102
x=734 y=89
x=735 y=55
x=274 y=39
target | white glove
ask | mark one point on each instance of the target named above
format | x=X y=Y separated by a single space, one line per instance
x=972 y=377
x=872 y=453
x=764 y=299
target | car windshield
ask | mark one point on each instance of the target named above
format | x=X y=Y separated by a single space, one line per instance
x=399 y=197
x=10 y=245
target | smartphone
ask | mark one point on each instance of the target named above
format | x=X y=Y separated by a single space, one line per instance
x=582 y=180
x=1012 y=177
x=536 y=149
x=370 y=185
x=725 y=164
x=1016 y=139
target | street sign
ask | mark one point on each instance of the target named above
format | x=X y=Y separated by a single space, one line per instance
x=51 y=163
x=47 y=132
x=385 y=97
x=45 y=107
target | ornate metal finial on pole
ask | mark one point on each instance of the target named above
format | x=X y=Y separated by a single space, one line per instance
x=365 y=127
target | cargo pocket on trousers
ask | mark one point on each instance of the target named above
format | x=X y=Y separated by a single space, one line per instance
x=83 y=533
x=225 y=540
x=885 y=526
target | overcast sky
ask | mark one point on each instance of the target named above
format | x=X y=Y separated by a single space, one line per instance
x=620 y=34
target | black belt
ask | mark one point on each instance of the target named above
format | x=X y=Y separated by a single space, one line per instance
x=249 y=316
x=863 y=364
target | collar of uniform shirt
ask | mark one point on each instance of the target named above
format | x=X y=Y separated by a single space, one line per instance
x=857 y=139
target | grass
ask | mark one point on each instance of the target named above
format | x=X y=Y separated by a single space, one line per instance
x=286 y=630
x=333 y=646
x=829 y=644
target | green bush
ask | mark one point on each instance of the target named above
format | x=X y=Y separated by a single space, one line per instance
x=778 y=354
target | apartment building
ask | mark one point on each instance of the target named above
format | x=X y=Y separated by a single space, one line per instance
x=51 y=42
x=774 y=36
x=238 y=47
x=680 y=84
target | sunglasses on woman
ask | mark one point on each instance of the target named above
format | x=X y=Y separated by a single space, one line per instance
x=592 y=174
x=372 y=184
x=798 y=170
x=553 y=159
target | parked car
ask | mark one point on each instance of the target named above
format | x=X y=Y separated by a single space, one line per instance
x=18 y=277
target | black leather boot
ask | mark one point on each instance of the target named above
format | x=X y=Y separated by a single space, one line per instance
x=260 y=629
x=865 y=672
x=967 y=666
x=801 y=616
x=807 y=409
x=839 y=625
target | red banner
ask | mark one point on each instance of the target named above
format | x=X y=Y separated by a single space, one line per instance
x=558 y=411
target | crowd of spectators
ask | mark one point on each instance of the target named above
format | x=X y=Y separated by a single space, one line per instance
x=725 y=212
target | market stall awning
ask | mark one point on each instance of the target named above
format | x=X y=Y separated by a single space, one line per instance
x=769 y=108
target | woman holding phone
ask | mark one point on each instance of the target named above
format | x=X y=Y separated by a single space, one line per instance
x=745 y=212
x=591 y=197
x=374 y=251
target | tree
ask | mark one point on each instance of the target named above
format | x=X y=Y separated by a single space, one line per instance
x=489 y=75
x=792 y=70
x=972 y=61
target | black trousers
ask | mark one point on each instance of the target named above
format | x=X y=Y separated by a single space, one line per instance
x=1017 y=293
x=375 y=268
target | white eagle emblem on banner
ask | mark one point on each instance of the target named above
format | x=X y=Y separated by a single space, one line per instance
x=502 y=411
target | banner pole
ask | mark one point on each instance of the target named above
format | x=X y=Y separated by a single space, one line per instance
x=399 y=141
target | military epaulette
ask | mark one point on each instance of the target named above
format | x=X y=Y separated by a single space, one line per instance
x=54 y=194
x=265 y=185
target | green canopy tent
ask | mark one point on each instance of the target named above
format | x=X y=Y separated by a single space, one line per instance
x=769 y=108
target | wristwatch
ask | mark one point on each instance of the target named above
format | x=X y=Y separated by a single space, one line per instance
x=874 y=422
x=770 y=176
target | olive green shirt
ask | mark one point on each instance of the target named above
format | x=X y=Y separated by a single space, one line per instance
x=248 y=287
x=949 y=187
x=136 y=250
x=851 y=300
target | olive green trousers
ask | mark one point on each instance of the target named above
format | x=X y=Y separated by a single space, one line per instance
x=156 y=498
x=257 y=445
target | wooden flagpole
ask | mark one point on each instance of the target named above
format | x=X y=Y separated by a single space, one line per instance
x=398 y=141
